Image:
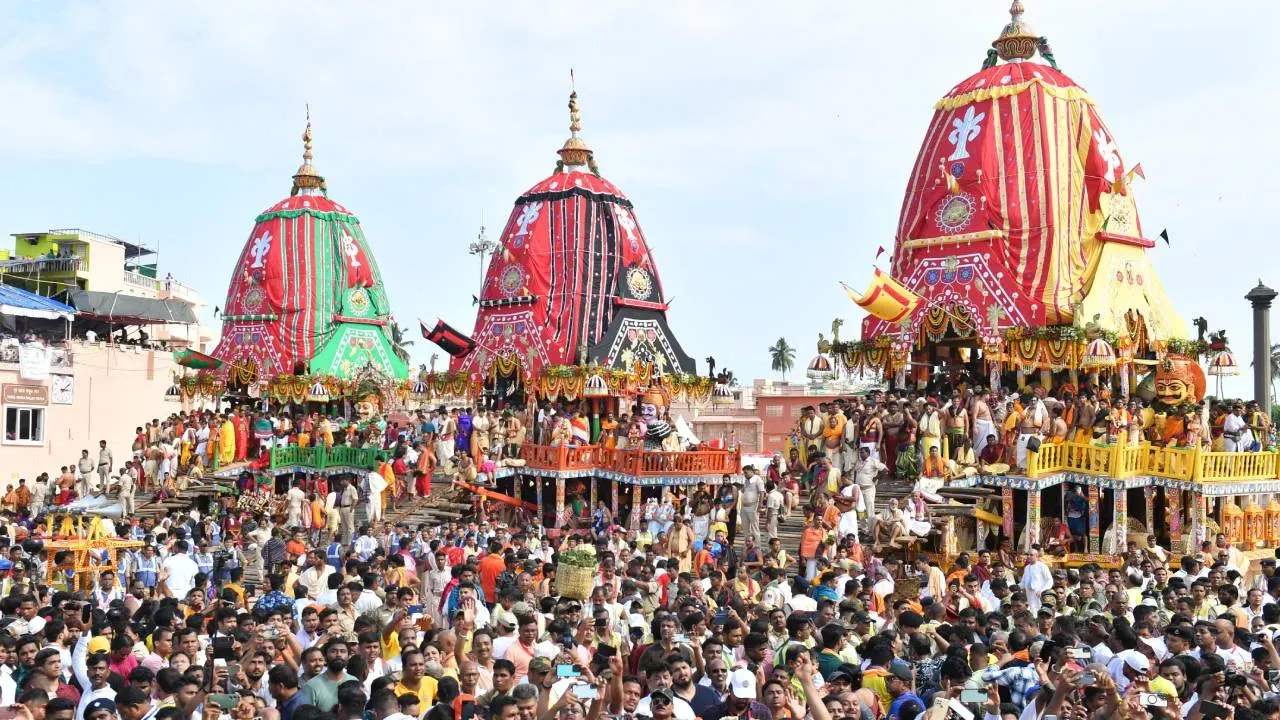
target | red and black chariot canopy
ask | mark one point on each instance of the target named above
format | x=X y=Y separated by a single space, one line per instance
x=573 y=279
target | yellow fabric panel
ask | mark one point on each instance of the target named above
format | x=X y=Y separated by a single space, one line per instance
x=1110 y=300
x=1003 y=91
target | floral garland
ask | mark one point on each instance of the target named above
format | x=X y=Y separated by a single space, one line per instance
x=1190 y=348
x=863 y=356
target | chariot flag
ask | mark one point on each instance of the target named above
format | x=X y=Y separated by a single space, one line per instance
x=886 y=298
x=449 y=340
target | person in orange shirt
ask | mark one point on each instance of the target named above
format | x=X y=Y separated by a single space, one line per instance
x=702 y=557
x=811 y=545
x=829 y=512
x=490 y=567
x=934 y=467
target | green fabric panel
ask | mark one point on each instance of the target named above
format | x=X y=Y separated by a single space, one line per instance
x=291 y=214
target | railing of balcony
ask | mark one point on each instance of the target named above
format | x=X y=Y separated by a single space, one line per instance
x=42 y=265
x=139 y=280
x=60 y=355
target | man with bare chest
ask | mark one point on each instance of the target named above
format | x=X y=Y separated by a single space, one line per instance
x=873 y=432
x=811 y=426
x=983 y=426
x=955 y=423
x=1085 y=415
x=894 y=421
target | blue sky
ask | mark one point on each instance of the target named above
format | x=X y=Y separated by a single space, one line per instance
x=766 y=146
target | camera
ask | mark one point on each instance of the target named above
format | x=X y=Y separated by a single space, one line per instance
x=221 y=558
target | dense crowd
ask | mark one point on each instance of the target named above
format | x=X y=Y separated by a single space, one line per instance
x=696 y=609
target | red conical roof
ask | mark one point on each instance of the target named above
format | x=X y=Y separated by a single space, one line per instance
x=572 y=276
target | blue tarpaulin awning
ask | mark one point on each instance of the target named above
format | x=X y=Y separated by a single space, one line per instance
x=16 y=301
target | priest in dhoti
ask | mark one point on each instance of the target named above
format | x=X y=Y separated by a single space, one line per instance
x=833 y=437
x=810 y=433
x=226 y=442
x=480 y=426
x=980 y=414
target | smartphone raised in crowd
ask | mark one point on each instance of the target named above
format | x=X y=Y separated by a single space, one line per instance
x=971 y=696
x=564 y=670
x=1211 y=710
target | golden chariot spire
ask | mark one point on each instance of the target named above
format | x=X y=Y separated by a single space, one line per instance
x=574 y=152
x=307 y=178
x=1017 y=42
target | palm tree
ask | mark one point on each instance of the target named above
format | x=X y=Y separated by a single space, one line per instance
x=400 y=345
x=783 y=356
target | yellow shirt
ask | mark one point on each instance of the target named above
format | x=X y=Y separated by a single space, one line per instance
x=426 y=691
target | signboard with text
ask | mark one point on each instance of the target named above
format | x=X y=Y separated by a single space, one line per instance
x=14 y=394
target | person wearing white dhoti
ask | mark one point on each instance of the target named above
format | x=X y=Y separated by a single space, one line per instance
x=849 y=519
x=1235 y=431
x=1032 y=420
x=445 y=440
x=849 y=448
x=983 y=426
x=1036 y=579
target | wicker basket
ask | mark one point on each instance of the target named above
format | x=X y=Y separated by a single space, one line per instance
x=573 y=581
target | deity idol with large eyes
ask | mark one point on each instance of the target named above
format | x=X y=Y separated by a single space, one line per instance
x=1179 y=386
x=656 y=429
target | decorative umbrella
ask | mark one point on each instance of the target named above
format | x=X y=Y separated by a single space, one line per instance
x=173 y=394
x=595 y=386
x=196 y=360
x=820 y=369
x=1097 y=355
x=1224 y=364
x=721 y=395
x=418 y=388
x=318 y=393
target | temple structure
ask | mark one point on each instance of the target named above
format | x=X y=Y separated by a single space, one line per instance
x=1018 y=214
x=306 y=297
x=572 y=281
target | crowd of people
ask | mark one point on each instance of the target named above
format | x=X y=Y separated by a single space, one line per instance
x=966 y=430
x=696 y=609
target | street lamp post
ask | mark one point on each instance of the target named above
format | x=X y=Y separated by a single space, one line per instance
x=482 y=246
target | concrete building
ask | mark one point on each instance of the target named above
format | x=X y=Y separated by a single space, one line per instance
x=114 y=283
x=760 y=417
x=91 y=392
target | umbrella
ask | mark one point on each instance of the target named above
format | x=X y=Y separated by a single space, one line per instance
x=196 y=360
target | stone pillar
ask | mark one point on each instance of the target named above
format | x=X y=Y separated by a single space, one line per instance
x=613 y=490
x=594 y=495
x=1260 y=298
x=1094 y=530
